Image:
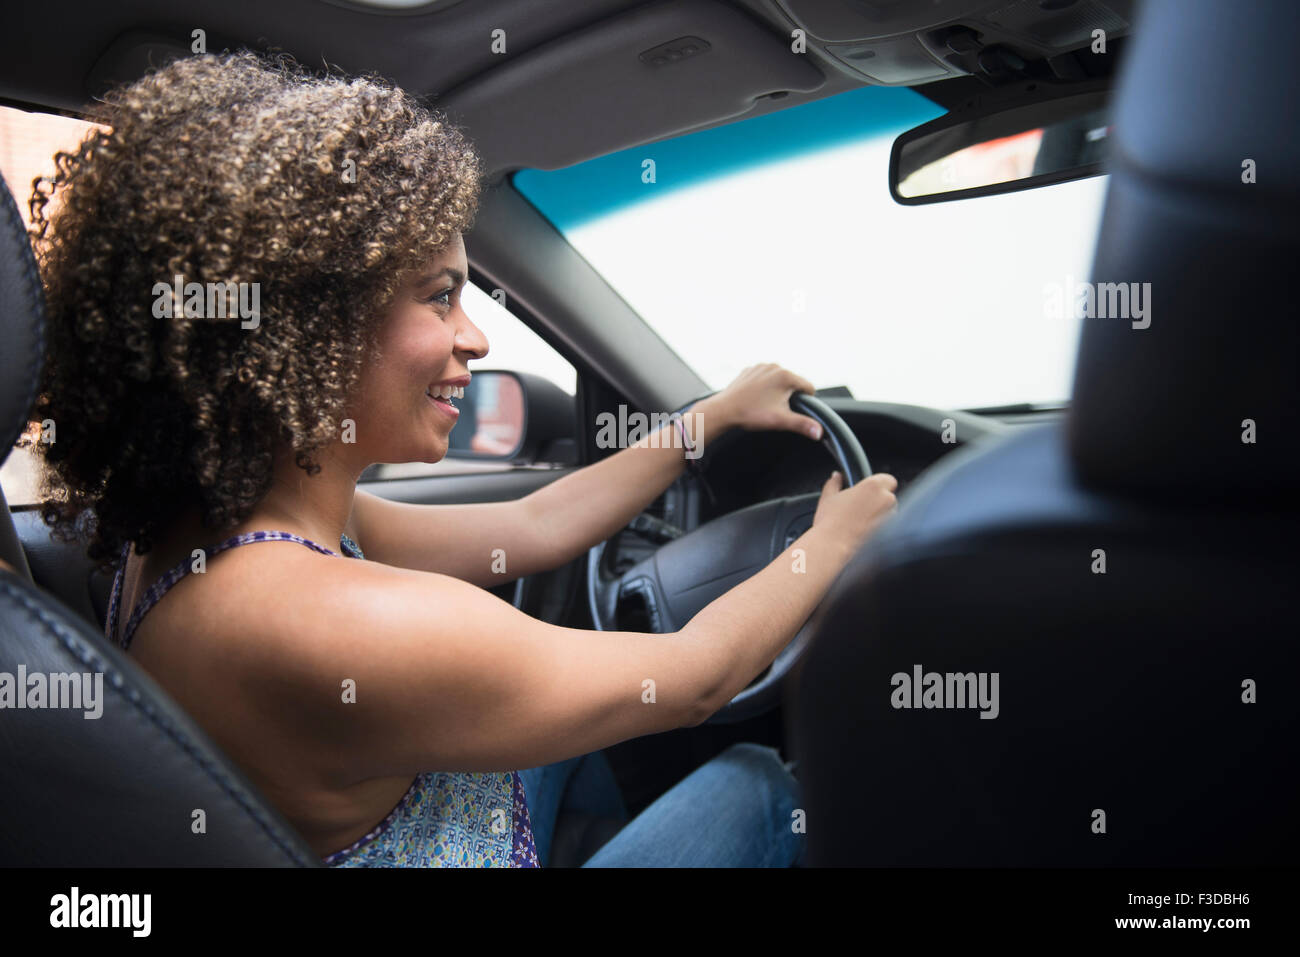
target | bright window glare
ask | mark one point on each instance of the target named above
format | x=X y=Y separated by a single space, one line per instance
x=511 y=344
x=808 y=262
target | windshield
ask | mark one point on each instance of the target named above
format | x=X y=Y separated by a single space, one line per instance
x=775 y=239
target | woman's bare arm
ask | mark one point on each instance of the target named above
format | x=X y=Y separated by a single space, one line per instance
x=491 y=544
x=447 y=676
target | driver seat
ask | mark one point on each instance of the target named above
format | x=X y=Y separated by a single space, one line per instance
x=1130 y=577
x=121 y=789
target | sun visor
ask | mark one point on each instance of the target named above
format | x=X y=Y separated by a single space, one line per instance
x=655 y=71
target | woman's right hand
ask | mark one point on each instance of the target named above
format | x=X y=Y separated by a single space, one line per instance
x=853 y=514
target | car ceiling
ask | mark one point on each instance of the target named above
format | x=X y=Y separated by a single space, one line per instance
x=579 y=79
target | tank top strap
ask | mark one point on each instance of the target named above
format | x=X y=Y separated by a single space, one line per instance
x=115 y=596
x=184 y=567
x=350 y=548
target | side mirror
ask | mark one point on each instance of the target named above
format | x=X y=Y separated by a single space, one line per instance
x=1004 y=149
x=514 y=417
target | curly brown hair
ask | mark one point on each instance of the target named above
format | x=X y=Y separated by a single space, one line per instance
x=240 y=168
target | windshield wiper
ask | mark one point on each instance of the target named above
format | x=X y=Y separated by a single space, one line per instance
x=1018 y=408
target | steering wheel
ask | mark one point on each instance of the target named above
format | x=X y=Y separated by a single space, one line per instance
x=689 y=572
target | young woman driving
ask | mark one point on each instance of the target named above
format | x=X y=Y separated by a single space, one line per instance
x=352 y=662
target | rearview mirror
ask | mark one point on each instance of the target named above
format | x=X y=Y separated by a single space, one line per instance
x=968 y=154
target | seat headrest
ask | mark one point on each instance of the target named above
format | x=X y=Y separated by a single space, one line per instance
x=22 y=324
x=1198 y=398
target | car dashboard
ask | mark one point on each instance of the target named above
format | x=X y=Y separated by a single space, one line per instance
x=743 y=468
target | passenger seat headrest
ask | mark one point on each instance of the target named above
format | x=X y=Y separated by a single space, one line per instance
x=1199 y=398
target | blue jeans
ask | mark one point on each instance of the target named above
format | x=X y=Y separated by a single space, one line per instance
x=735 y=811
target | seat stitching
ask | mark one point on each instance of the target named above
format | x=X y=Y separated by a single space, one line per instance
x=87 y=655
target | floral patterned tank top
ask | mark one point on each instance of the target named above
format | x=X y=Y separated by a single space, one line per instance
x=446 y=819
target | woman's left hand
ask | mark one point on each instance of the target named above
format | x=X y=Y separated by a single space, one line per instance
x=759 y=400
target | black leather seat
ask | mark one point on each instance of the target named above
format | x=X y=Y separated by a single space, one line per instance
x=1126 y=692
x=62 y=569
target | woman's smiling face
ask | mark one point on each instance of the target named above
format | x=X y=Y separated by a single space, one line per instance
x=425 y=341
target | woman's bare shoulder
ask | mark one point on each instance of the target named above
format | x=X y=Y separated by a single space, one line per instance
x=259 y=590
x=256 y=638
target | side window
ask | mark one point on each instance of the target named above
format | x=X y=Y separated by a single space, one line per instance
x=28 y=142
x=513 y=347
